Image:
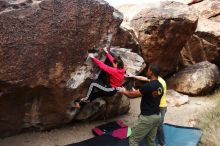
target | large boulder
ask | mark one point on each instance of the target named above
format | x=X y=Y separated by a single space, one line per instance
x=163 y=31
x=204 y=45
x=43 y=42
x=198 y=79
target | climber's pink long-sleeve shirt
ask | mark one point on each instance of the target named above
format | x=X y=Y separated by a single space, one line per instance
x=116 y=76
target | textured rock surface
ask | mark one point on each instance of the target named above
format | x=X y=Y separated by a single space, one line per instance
x=162 y=33
x=125 y=38
x=204 y=45
x=197 y=79
x=198 y=49
x=174 y=98
x=133 y=62
x=106 y=107
x=208 y=8
x=42 y=44
x=50 y=37
x=209 y=30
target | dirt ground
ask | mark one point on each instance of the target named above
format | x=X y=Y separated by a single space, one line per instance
x=183 y=115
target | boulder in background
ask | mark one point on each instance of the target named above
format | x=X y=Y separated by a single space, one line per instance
x=162 y=33
x=198 y=79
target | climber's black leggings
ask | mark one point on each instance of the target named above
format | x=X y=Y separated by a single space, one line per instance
x=98 y=89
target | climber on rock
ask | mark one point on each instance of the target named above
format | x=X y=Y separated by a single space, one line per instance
x=116 y=79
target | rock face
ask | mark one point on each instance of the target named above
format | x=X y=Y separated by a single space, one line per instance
x=198 y=79
x=55 y=35
x=42 y=44
x=133 y=63
x=102 y=108
x=125 y=38
x=205 y=43
x=208 y=8
x=163 y=31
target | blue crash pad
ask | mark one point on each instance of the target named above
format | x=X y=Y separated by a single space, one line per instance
x=179 y=136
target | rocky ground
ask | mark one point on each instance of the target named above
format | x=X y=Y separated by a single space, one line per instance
x=183 y=115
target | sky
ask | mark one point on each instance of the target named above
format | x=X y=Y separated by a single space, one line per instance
x=120 y=2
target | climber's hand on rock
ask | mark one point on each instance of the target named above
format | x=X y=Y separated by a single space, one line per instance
x=105 y=49
x=91 y=55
